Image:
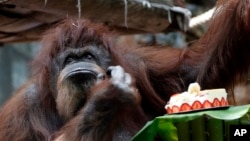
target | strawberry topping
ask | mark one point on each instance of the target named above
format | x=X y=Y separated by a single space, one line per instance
x=185 y=107
x=216 y=102
x=207 y=104
x=169 y=110
x=197 y=105
x=175 y=109
x=224 y=102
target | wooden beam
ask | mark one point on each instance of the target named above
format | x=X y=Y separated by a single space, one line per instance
x=26 y=20
x=140 y=15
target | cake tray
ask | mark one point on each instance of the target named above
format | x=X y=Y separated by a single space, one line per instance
x=198 y=110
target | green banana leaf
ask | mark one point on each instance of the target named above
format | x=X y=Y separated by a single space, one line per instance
x=203 y=125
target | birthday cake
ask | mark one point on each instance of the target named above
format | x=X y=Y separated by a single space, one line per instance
x=195 y=99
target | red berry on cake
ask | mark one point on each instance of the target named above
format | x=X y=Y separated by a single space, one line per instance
x=197 y=105
x=185 y=107
x=216 y=102
x=207 y=104
x=224 y=102
x=169 y=110
x=175 y=109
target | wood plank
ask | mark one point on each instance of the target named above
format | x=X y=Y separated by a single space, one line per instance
x=149 y=17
